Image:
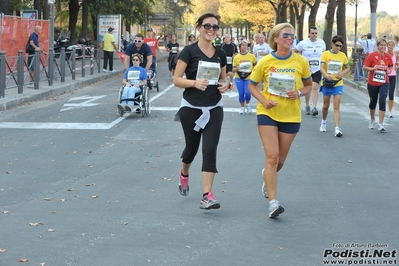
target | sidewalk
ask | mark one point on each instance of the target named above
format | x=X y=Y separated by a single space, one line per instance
x=13 y=99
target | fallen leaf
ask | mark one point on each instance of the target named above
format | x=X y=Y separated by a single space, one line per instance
x=5 y=212
x=349 y=161
x=223 y=190
x=35 y=224
x=87 y=185
x=48 y=199
x=94 y=197
x=224 y=182
x=42 y=264
x=2 y=250
x=70 y=189
x=8 y=172
x=125 y=223
x=23 y=260
x=62 y=200
x=50 y=230
x=53 y=212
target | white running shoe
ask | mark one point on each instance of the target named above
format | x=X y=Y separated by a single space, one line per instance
x=249 y=110
x=390 y=115
x=242 y=110
x=338 y=132
x=372 y=124
x=381 y=128
x=275 y=208
x=323 y=127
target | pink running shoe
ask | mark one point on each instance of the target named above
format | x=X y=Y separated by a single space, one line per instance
x=209 y=202
x=183 y=184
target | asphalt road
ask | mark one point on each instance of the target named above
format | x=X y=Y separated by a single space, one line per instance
x=80 y=185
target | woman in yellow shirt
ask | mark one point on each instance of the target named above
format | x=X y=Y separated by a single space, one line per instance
x=243 y=64
x=286 y=76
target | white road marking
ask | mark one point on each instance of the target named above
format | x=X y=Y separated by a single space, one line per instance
x=86 y=103
x=346 y=107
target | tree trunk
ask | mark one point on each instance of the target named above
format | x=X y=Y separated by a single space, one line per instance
x=85 y=17
x=46 y=10
x=73 y=17
x=94 y=25
x=329 y=22
x=292 y=16
x=313 y=13
x=341 y=25
x=300 y=21
x=281 y=12
x=37 y=5
x=5 y=7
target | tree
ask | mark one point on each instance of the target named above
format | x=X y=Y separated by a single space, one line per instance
x=329 y=22
x=341 y=25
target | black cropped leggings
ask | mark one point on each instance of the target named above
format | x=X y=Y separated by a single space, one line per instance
x=374 y=92
x=210 y=137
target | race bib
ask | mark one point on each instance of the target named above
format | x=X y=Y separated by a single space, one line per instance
x=334 y=67
x=279 y=84
x=245 y=67
x=259 y=53
x=229 y=60
x=379 y=76
x=133 y=75
x=210 y=71
x=314 y=62
x=174 y=50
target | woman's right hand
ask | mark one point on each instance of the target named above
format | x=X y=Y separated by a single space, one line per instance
x=201 y=84
x=268 y=104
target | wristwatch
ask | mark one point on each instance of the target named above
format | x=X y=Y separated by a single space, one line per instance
x=299 y=93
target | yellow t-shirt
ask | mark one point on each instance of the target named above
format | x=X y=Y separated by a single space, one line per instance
x=334 y=63
x=248 y=59
x=282 y=74
x=107 y=42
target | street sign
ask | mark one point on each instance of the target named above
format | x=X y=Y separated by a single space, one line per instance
x=160 y=19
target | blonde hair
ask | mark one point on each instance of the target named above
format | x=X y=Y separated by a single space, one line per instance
x=275 y=32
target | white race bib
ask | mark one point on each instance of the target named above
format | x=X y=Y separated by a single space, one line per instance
x=133 y=75
x=245 y=67
x=229 y=60
x=314 y=62
x=379 y=76
x=334 y=67
x=279 y=84
x=210 y=71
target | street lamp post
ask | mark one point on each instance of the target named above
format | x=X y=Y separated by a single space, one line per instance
x=174 y=19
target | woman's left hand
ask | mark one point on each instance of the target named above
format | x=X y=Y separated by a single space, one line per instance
x=223 y=86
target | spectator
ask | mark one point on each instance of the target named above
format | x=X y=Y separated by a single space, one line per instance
x=31 y=46
x=108 y=46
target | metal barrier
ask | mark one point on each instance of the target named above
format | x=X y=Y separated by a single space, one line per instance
x=14 y=70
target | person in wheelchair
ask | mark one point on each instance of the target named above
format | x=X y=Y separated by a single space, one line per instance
x=134 y=79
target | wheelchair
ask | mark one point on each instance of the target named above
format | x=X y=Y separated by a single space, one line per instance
x=152 y=74
x=142 y=103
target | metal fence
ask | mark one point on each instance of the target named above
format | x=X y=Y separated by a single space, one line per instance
x=53 y=67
